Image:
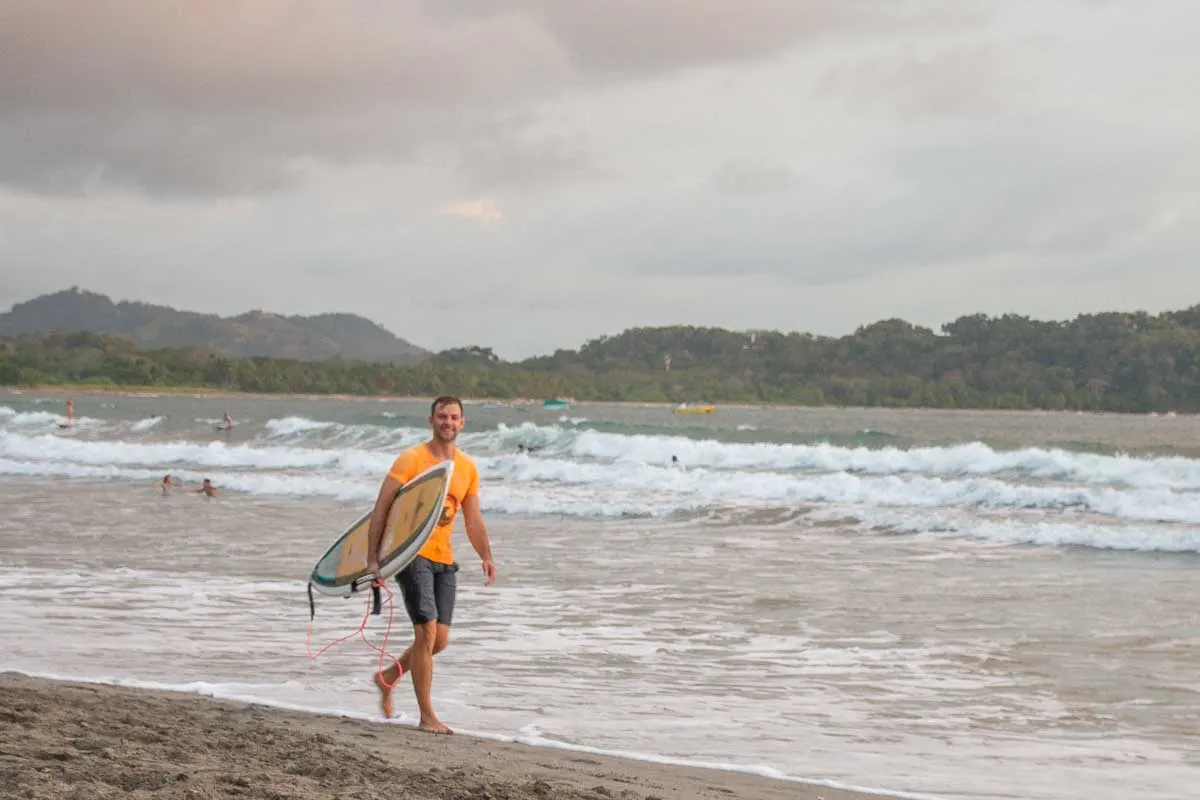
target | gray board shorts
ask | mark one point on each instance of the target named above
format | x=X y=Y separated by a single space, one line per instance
x=428 y=589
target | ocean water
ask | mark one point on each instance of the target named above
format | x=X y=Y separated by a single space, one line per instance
x=945 y=604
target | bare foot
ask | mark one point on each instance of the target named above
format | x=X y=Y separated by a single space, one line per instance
x=385 y=696
x=434 y=725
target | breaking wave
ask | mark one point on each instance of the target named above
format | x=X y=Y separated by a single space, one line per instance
x=1049 y=496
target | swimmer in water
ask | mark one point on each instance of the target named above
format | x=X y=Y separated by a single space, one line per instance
x=169 y=483
x=207 y=489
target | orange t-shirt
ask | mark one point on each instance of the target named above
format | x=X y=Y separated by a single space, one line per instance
x=463 y=483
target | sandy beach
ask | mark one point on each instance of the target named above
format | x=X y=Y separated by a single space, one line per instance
x=72 y=740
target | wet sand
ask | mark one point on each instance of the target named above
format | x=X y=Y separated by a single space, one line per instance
x=70 y=740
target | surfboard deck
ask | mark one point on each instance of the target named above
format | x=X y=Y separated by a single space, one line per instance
x=414 y=514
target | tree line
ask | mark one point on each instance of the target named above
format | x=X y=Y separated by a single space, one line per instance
x=1130 y=362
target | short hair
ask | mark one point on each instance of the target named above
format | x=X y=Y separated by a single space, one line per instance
x=445 y=400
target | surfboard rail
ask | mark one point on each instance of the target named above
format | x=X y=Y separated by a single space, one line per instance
x=414 y=513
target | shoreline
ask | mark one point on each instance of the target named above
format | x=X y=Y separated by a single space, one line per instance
x=89 y=389
x=61 y=737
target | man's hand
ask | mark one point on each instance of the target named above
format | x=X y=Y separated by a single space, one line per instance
x=489 y=571
x=373 y=568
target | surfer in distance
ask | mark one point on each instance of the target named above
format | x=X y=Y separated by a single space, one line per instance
x=70 y=414
x=429 y=583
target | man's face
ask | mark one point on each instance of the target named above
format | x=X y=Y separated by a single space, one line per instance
x=447 y=421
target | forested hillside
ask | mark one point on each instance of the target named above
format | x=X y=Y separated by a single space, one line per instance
x=255 y=333
x=1112 y=361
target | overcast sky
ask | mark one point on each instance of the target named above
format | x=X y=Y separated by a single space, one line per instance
x=528 y=174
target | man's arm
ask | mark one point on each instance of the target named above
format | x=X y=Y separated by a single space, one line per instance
x=478 y=534
x=383 y=505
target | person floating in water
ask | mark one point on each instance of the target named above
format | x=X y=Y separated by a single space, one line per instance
x=169 y=483
x=527 y=448
x=207 y=489
x=676 y=463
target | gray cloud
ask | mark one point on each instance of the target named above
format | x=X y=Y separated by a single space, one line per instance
x=749 y=176
x=951 y=79
x=177 y=98
x=286 y=57
x=527 y=174
x=630 y=37
x=510 y=152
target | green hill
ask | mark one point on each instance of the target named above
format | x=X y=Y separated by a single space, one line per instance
x=255 y=333
x=1131 y=362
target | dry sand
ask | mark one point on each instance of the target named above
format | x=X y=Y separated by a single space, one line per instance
x=74 y=741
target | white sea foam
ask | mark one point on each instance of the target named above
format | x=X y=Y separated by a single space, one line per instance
x=959 y=460
x=521 y=485
x=54 y=449
x=11 y=418
x=289 y=426
x=949 y=523
x=1066 y=497
x=965 y=460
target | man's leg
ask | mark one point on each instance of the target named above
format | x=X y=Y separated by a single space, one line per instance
x=392 y=673
x=434 y=639
x=417 y=598
x=416 y=583
x=421 y=667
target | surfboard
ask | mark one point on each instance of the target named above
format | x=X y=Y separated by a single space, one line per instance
x=415 y=511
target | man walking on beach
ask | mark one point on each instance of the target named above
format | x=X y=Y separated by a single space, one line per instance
x=428 y=584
